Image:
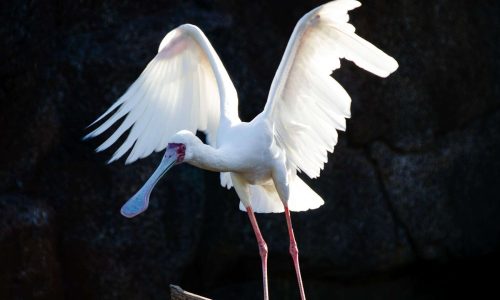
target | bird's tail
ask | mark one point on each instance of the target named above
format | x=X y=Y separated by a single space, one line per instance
x=265 y=198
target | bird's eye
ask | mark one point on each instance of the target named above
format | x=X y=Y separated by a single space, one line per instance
x=181 y=149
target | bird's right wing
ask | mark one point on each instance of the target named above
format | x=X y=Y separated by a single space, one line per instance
x=306 y=105
x=181 y=89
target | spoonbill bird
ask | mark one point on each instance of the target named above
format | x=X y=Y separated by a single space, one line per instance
x=186 y=88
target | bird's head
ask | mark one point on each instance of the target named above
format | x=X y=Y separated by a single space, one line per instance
x=181 y=146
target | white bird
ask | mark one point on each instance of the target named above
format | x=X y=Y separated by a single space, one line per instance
x=186 y=88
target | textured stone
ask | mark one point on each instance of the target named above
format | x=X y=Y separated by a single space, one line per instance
x=29 y=258
x=447 y=208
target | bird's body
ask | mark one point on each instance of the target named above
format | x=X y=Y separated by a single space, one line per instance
x=236 y=153
x=186 y=88
x=240 y=143
x=249 y=151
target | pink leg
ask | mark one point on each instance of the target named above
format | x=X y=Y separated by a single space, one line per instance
x=294 y=251
x=262 y=250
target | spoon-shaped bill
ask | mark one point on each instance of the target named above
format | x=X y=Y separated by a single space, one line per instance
x=140 y=201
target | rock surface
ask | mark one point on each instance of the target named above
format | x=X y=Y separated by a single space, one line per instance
x=411 y=193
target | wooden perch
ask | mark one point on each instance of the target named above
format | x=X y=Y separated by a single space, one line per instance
x=177 y=293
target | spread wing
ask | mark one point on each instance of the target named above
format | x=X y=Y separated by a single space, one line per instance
x=305 y=104
x=180 y=89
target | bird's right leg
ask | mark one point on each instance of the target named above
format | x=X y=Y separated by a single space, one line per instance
x=262 y=249
x=243 y=192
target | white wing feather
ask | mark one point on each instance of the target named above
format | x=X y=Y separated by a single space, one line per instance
x=305 y=104
x=180 y=89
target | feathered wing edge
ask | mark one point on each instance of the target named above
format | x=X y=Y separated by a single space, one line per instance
x=181 y=88
x=305 y=104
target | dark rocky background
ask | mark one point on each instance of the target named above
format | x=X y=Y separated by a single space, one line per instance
x=412 y=208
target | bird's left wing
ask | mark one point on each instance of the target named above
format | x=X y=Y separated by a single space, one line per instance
x=178 y=90
x=307 y=106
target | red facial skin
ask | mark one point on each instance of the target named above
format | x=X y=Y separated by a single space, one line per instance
x=180 y=149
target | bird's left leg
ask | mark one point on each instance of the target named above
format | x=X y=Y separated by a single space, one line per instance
x=280 y=178
x=243 y=192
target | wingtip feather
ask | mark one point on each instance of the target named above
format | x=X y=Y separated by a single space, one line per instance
x=339 y=6
x=392 y=66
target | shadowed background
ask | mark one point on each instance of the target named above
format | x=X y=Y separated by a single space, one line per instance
x=412 y=207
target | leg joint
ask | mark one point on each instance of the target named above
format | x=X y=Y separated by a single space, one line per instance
x=263 y=248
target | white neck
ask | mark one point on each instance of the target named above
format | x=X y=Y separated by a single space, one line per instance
x=209 y=158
